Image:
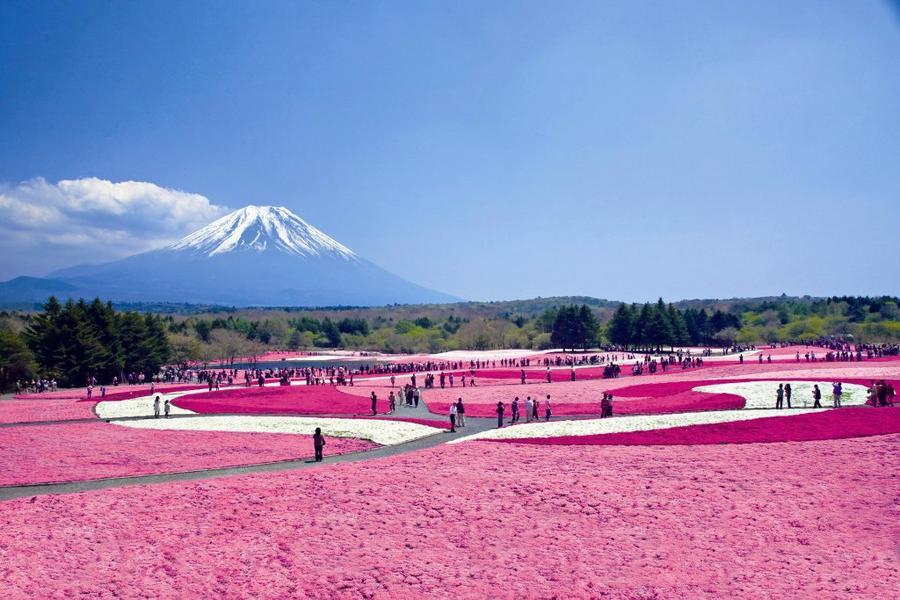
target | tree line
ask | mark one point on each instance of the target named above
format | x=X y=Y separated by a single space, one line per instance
x=654 y=326
x=74 y=341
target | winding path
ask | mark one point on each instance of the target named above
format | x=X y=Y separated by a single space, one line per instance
x=473 y=425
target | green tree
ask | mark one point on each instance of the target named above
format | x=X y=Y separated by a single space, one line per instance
x=16 y=360
x=620 y=330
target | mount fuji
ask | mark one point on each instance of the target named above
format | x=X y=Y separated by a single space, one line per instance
x=254 y=256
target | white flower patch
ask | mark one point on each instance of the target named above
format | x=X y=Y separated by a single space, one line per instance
x=761 y=394
x=622 y=424
x=139 y=407
x=380 y=431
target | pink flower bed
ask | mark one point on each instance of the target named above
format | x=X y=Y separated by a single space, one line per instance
x=121 y=392
x=803 y=427
x=25 y=411
x=578 y=398
x=485 y=520
x=296 y=399
x=80 y=451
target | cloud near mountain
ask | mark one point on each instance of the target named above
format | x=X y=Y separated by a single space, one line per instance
x=48 y=225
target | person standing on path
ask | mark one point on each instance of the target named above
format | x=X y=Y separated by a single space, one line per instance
x=453 y=417
x=528 y=407
x=779 y=396
x=836 y=393
x=374 y=403
x=500 y=410
x=523 y=376
x=817 y=396
x=460 y=413
x=547 y=408
x=168 y=406
x=515 y=410
x=156 y=407
x=787 y=394
x=318 y=443
x=549 y=380
x=535 y=410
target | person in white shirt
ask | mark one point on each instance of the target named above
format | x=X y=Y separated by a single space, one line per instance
x=453 y=417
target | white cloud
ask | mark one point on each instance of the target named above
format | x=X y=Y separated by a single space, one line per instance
x=47 y=226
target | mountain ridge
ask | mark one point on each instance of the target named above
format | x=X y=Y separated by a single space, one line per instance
x=254 y=256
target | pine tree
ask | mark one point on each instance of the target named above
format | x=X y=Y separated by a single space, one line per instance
x=680 y=333
x=621 y=327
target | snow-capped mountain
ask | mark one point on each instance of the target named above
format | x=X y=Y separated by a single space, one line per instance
x=260 y=228
x=254 y=256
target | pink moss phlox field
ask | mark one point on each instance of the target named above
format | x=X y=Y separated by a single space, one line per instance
x=484 y=520
x=122 y=392
x=295 y=399
x=580 y=398
x=27 y=411
x=803 y=427
x=81 y=451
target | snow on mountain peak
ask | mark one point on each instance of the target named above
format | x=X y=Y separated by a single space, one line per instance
x=261 y=228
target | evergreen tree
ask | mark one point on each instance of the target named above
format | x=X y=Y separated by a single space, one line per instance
x=331 y=332
x=16 y=360
x=680 y=333
x=621 y=326
x=658 y=330
x=642 y=331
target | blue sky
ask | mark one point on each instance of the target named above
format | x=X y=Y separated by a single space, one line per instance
x=492 y=150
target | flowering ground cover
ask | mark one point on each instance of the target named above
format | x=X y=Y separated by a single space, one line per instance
x=381 y=431
x=80 y=451
x=577 y=398
x=794 y=427
x=293 y=399
x=121 y=392
x=670 y=391
x=26 y=411
x=484 y=520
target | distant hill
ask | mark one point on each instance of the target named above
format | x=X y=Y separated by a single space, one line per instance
x=255 y=256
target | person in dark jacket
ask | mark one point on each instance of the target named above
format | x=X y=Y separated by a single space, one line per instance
x=318 y=443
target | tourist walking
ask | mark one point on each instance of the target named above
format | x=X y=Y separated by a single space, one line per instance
x=156 y=407
x=547 y=408
x=535 y=409
x=460 y=413
x=817 y=396
x=836 y=392
x=374 y=404
x=318 y=443
x=500 y=410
